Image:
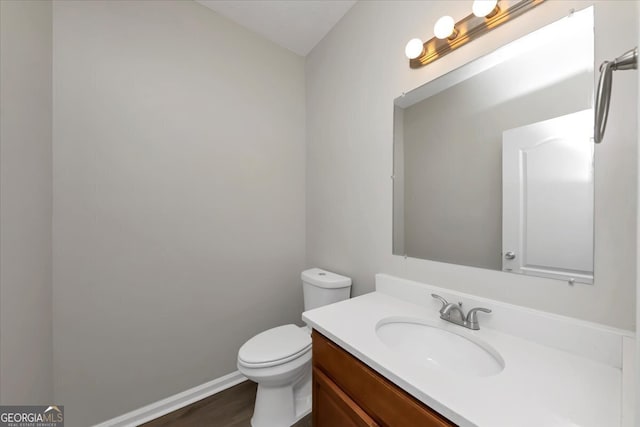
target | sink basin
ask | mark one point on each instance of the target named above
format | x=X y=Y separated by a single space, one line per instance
x=425 y=343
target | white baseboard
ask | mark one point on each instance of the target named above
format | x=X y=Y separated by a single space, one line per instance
x=172 y=403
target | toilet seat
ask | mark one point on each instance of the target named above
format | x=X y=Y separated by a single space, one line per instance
x=275 y=346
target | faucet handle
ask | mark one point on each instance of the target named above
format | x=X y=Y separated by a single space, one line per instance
x=472 y=317
x=442 y=300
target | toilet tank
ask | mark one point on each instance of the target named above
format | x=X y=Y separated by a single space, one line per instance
x=322 y=287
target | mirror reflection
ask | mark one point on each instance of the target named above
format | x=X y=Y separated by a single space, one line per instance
x=493 y=162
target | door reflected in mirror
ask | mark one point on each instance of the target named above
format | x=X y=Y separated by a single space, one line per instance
x=493 y=162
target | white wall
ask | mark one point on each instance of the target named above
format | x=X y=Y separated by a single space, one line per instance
x=25 y=203
x=178 y=199
x=354 y=74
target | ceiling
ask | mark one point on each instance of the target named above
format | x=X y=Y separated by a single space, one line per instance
x=297 y=25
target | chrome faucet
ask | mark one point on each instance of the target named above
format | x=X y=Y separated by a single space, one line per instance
x=453 y=313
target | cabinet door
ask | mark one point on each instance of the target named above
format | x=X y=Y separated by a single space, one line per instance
x=332 y=407
x=376 y=396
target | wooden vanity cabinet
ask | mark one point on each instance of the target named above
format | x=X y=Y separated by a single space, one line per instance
x=346 y=392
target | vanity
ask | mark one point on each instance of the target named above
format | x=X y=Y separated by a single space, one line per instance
x=374 y=363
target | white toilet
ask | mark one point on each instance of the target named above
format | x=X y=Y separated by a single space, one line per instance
x=279 y=359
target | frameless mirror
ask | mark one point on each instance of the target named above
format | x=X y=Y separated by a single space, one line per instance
x=493 y=162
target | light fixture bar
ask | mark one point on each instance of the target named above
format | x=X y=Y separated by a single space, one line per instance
x=470 y=28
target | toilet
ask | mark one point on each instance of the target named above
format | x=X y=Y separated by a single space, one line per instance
x=279 y=359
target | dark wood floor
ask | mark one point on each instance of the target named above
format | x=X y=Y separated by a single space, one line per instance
x=230 y=408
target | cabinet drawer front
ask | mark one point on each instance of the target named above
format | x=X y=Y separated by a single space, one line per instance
x=385 y=402
x=332 y=407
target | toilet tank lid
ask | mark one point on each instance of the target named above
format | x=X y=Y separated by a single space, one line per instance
x=325 y=279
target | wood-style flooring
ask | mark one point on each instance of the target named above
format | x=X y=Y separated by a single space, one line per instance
x=230 y=408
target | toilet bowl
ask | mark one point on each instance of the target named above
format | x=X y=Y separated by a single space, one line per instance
x=279 y=359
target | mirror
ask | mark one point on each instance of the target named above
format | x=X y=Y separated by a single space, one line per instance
x=493 y=162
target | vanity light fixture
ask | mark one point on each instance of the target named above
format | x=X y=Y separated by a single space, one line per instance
x=450 y=35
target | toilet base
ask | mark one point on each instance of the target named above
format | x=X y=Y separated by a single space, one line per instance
x=282 y=406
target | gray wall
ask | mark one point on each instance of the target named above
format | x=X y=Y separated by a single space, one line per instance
x=353 y=76
x=398 y=182
x=178 y=199
x=453 y=174
x=636 y=395
x=25 y=203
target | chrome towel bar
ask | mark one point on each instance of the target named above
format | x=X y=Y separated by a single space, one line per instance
x=627 y=61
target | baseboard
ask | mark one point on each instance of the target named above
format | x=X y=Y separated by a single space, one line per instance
x=172 y=403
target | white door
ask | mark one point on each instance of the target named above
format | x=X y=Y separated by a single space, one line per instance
x=547 y=198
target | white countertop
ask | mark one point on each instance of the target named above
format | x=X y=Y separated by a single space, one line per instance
x=540 y=386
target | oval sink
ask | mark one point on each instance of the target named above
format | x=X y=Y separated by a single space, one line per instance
x=422 y=342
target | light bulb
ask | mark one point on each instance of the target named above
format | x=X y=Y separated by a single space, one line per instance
x=445 y=27
x=414 y=48
x=482 y=8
